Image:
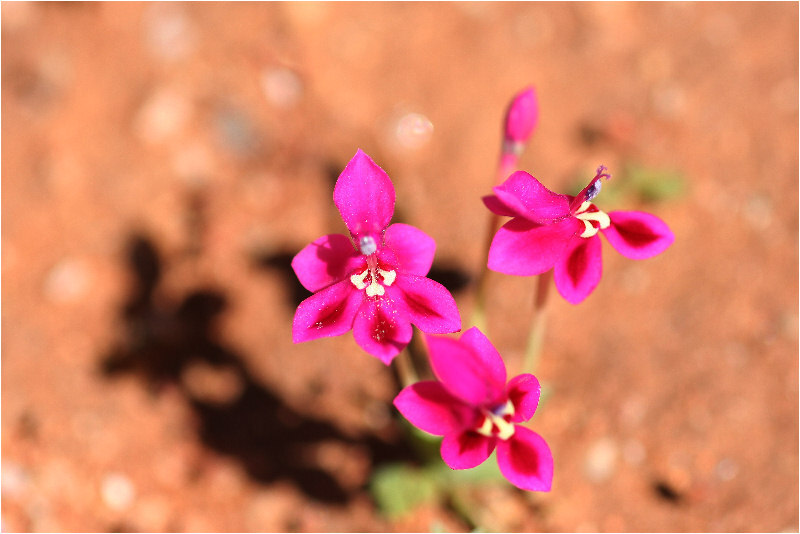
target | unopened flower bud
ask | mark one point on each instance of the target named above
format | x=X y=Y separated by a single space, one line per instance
x=521 y=117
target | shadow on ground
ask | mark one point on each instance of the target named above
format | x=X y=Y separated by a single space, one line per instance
x=164 y=341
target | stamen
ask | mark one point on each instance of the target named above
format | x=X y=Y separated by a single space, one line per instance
x=495 y=423
x=367 y=245
x=602 y=218
x=358 y=279
x=375 y=289
x=504 y=429
x=486 y=427
x=590 y=230
x=388 y=277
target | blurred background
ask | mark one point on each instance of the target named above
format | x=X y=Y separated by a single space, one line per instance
x=163 y=162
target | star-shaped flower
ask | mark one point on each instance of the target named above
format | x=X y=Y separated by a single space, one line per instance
x=477 y=412
x=373 y=282
x=560 y=232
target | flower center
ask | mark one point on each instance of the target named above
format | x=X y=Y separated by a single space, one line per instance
x=496 y=422
x=368 y=280
x=590 y=217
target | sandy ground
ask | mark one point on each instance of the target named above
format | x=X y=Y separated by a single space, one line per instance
x=162 y=163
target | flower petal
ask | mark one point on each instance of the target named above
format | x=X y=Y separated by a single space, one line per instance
x=329 y=312
x=499 y=207
x=526 y=461
x=638 y=235
x=430 y=407
x=579 y=271
x=365 y=196
x=524 y=248
x=485 y=350
x=327 y=260
x=528 y=198
x=428 y=304
x=463 y=371
x=466 y=450
x=413 y=249
x=380 y=329
x=524 y=391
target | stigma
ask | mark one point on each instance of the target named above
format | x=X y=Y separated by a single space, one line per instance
x=367 y=245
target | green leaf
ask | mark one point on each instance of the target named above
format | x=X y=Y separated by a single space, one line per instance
x=399 y=488
x=654 y=185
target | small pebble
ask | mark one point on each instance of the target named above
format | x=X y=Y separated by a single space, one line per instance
x=726 y=470
x=168 y=32
x=669 y=101
x=68 y=281
x=117 y=491
x=633 y=452
x=237 y=132
x=758 y=212
x=14 y=479
x=282 y=87
x=413 y=131
x=162 y=116
x=601 y=460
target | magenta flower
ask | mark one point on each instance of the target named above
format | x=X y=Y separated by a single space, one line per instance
x=560 y=232
x=477 y=412
x=374 y=284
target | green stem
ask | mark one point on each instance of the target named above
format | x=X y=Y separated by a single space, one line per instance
x=504 y=167
x=405 y=368
x=538 y=323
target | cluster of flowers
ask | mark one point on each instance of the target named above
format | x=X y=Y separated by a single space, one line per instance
x=374 y=283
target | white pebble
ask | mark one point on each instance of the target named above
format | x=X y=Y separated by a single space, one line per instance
x=162 y=116
x=726 y=470
x=68 y=281
x=282 y=87
x=413 y=130
x=168 y=32
x=601 y=460
x=117 y=491
x=15 y=479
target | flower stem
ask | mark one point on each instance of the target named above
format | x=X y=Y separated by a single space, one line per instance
x=405 y=368
x=504 y=168
x=538 y=323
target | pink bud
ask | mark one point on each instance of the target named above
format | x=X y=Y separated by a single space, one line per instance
x=521 y=117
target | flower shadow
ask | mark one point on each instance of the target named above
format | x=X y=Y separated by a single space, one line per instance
x=173 y=343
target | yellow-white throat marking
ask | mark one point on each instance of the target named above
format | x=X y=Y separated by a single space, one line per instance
x=602 y=218
x=373 y=288
x=494 y=419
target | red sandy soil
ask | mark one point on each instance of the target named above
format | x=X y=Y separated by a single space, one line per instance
x=162 y=163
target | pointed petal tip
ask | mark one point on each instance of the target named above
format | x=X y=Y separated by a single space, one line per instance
x=526 y=460
x=380 y=331
x=364 y=195
x=578 y=272
x=638 y=235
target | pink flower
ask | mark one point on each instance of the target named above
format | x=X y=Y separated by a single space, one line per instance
x=373 y=282
x=476 y=411
x=560 y=232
